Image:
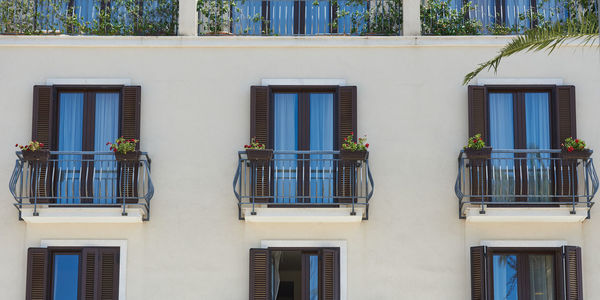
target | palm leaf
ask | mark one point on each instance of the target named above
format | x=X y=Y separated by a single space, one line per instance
x=547 y=37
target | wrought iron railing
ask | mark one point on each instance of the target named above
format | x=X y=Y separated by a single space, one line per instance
x=293 y=17
x=525 y=178
x=303 y=179
x=82 y=179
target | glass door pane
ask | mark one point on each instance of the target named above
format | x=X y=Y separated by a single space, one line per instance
x=541 y=277
x=317 y=20
x=314 y=277
x=106 y=129
x=537 y=124
x=70 y=135
x=246 y=17
x=286 y=139
x=502 y=136
x=282 y=15
x=321 y=139
x=505 y=277
x=65 y=277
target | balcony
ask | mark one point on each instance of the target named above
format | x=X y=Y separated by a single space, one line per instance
x=82 y=187
x=303 y=186
x=298 y=18
x=491 y=17
x=525 y=185
x=87 y=17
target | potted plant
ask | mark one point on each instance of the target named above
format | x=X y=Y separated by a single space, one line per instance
x=476 y=149
x=257 y=151
x=33 y=151
x=124 y=149
x=354 y=150
x=574 y=149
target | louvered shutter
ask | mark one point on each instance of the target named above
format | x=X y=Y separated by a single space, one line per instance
x=346 y=124
x=260 y=129
x=573 y=273
x=130 y=129
x=478 y=120
x=100 y=273
x=330 y=274
x=260 y=274
x=565 y=127
x=478 y=273
x=37 y=274
x=41 y=131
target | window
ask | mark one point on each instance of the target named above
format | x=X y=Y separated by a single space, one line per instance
x=525 y=273
x=293 y=120
x=289 y=17
x=84 y=118
x=65 y=273
x=294 y=273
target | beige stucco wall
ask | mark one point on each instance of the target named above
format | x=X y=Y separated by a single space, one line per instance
x=195 y=99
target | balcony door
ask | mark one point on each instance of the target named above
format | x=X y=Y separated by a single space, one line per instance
x=86 y=121
x=304 y=121
x=520 y=120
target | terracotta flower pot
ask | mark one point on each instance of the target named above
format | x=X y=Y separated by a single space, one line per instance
x=259 y=154
x=128 y=157
x=353 y=155
x=41 y=155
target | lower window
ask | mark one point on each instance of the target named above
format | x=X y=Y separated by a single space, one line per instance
x=66 y=273
x=526 y=273
x=294 y=273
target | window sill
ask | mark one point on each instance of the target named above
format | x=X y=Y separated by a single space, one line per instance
x=526 y=214
x=303 y=215
x=82 y=215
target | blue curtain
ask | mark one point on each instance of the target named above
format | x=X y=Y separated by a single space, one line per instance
x=286 y=138
x=483 y=11
x=351 y=16
x=314 y=277
x=317 y=17
x=502 y=137
x=70 y=135
x=553 y=10
x=86 y=10
x=65 y=277
x=282 y=17
x=246 y=17
x=513 y=9
x=321 y=138
x=106 y=129
x=537 y=124
x=505 y=277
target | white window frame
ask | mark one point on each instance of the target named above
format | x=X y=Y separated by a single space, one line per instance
x=122 y=244
x=318 y=244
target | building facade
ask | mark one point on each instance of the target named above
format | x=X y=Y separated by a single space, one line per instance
x=193 y=217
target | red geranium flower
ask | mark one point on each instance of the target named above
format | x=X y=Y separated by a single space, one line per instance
x=570 y=149
x=367 y=145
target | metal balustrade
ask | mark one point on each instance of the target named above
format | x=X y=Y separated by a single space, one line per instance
x=82 y=179
x=525 y=178
x=302 y=179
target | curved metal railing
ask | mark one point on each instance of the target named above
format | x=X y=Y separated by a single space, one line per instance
x=303 y=178
x=82 y=179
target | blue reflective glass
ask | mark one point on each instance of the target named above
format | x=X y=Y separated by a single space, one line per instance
x=505 y=277
x=65 y=278
x=314 y=277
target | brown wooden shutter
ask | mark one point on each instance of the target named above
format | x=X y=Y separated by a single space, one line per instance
x=478 y=273
x=330 y=274
x=260 y=274
x=346 y=124
x=41 y=131
x=37 y=274
x=573 y=273
x=100 y=273
x=478 y=120
x=260 y=128
x=130 y=129
x=565 y=127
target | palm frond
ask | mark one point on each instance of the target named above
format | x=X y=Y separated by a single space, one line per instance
x=544 y=38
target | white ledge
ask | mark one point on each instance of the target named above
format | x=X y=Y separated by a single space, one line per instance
x=304 y=215
x=261 y=41
x=527 y=214
x=82 y=215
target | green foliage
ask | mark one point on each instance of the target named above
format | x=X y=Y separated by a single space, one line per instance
x=254 y=144
x=571 y=144
x=384 y=17
x=123 y=145
x=111 y=17
x=475 y=142
x=350 y=145
x=438 y=18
